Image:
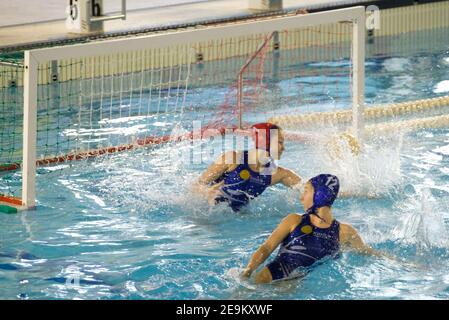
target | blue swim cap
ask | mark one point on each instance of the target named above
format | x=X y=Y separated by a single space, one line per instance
x=326 y=188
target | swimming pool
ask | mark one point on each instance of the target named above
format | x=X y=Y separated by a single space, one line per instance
x=127 y=226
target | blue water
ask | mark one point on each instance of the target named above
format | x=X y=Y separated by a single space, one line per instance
x=128 y=226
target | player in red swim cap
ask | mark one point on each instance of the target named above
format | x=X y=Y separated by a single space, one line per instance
x=236 y=177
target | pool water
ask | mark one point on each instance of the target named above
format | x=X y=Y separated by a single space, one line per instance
x=128 y=226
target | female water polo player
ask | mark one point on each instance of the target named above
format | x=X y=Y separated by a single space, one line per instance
x=306 y=239
x=239 y=176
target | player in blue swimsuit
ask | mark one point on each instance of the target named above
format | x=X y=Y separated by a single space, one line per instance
x=239 y=176
x=306 y=239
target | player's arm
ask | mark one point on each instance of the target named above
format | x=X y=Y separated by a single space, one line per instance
x=351 y=239
x=276 y=237
x=286 y=176
x=216 y=169
x=213 y=172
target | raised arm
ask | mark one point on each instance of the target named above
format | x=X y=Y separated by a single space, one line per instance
x=286 y=176
x=265 y=250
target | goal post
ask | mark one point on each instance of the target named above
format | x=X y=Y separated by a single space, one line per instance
x=29 y=131
x=155 y=76
x=358 y=76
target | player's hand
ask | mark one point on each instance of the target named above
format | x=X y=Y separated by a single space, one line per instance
x=246 y=273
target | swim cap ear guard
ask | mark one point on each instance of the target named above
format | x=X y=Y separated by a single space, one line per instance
x=326 y=187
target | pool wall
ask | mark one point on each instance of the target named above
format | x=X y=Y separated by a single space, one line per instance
x=421 y=17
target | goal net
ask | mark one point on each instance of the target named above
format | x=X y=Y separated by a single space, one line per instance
x=92 y=99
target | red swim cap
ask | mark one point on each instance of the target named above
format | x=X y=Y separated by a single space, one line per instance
x=262 y=135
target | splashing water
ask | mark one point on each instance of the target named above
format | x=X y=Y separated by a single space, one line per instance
x=423 y=222
x=129 y=228
x=361 y=173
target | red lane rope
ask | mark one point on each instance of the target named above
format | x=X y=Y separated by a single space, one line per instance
x=208 y=131
x=12 y=200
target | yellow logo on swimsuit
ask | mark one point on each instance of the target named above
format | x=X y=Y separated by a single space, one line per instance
x=244 y=174
x=306 y=229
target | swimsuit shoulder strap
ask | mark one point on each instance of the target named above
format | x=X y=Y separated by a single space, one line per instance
x=336 y=225
x=305 y=218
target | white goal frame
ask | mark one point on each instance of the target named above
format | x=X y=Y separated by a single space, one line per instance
x=33 y=58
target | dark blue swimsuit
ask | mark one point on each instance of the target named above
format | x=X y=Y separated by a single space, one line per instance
x=243 y=184
x=303 y=247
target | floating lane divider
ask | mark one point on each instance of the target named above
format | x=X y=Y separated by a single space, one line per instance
x=7 y=204
x=436 y=122
x=345 y=116
x=9 y=166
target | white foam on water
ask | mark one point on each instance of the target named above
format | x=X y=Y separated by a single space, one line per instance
x=397 y=64
x=366 y=173
x=442 y=87
x=423 y=221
